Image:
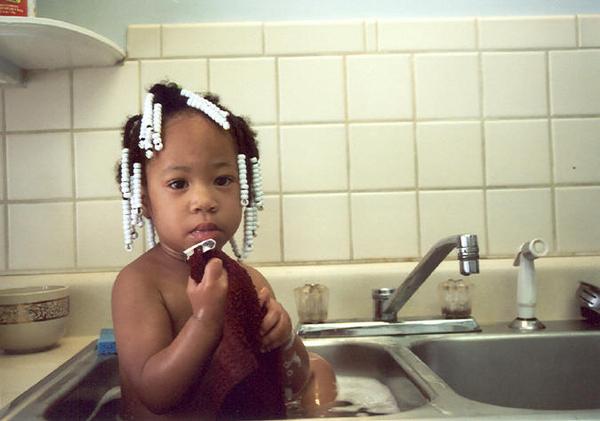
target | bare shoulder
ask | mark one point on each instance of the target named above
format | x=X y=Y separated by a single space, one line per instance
x=258 y=279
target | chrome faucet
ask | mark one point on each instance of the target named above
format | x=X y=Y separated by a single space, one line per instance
x=468 y=258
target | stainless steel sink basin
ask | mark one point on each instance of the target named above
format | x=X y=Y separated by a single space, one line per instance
x=545 y=370
x=371 y=381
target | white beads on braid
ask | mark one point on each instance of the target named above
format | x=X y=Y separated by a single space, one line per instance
x=150 y=239
x=156 y=127
x=136 y=196
x=257 y=183
x=145 y=142
x=198 y=102
x=243 y=175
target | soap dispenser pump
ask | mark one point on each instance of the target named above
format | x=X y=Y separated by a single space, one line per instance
x=526 y=285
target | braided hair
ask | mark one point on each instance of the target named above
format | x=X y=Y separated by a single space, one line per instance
x=142 y=138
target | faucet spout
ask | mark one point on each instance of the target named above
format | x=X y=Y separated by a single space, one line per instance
x=468 y=257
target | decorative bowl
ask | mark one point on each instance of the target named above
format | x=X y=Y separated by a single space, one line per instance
x=32 y=318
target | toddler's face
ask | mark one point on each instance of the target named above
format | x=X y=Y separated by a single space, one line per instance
x=192 y=187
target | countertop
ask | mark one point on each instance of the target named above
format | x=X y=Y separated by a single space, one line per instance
x=21 y=371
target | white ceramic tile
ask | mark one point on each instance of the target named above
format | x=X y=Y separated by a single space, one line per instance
x=382 y=156
x=577 y=227
x=40 y=236
x=212 y=39
x=43 y=103
x=517 y=216
x=589 y=30
x=384 y=225
x=576 y=150
x=313 y=158
x=575 y=82
x=104 y=96
x=314 y=37
x=191 y=74
x=514 y=84
x=39 y=166
x=2 y=165
x=96 y=157
x=453 y=92
x=3 y=248
x=268 y=147
x=143 y=41
x=311 y=89
x=451 y=212
x=379 y=87
x=247 y=86
x=102 y=248
x=527 y=32
x=316 y=227
x=427 y=34
x=267 y=244
x=517 y=153
x=370 y=35
x=449 y=155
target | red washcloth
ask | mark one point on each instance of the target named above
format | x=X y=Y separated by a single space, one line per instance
x=240 y=382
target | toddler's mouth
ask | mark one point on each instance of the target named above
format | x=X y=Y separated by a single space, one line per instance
x=204 y=231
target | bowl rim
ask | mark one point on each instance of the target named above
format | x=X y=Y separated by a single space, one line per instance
x=32 y=290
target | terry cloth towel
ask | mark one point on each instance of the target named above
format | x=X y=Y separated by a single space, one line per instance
x=240 y=381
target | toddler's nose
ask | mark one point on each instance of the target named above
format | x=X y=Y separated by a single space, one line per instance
x=203 y=201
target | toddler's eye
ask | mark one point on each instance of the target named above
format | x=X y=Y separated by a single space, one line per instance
x=223 y=180
x=177 y=184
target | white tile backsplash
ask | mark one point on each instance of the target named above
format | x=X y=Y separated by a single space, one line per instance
x=427 y=34
x=576 y=150
x=102 y=248
x=577 y=227
x=381 y=156
x=39 y=166
x=384 y=225
x=143 y=41
x=575 y=82
x=96 y=157
x=247 y=85
x=524 y=32
x=283 y=38
x=514 y=84
x=517 y=153
x=449 y=155
x=212 y=39
x=385 y=132
x=316 y=227
x=516 y=216
x=379 y=87
x=41 y=236
x=447 y=86
x=451 y=212
x=191 y=73
x=311 y=89
x=589 y=30
x=105 y=96
x=28 y=108
x=313 y=158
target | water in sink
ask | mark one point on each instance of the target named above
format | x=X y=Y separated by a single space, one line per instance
x=550 y=371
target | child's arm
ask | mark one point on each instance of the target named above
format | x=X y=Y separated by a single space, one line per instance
x=159 y=364
x=276 y=331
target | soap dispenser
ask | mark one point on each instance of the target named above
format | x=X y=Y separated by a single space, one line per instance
x=526 y=285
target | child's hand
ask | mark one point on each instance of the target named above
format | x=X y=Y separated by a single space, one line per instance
x=276 y=326
x=208 y=297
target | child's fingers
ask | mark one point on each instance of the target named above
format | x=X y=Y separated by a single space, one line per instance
x=263 y=296
x=213 y=270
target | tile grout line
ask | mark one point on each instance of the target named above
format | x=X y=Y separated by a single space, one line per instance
x=345 y=81
x=279 y=158
x=6 y=222
x=417 y=189
x=73 y=169
x=553 y=210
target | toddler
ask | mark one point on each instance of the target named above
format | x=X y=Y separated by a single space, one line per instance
x=189 y=172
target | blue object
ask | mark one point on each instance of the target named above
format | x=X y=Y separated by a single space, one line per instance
x=106 y=343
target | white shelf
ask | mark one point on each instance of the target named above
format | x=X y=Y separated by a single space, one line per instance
x=47 y=44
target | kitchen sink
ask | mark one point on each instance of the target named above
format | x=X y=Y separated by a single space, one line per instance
x=543 y=370
x=371 y=381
